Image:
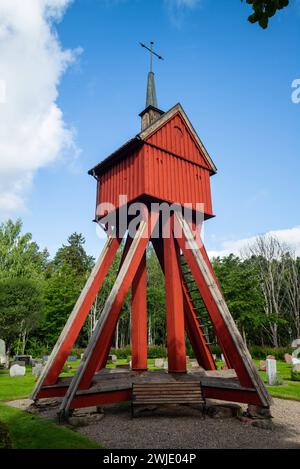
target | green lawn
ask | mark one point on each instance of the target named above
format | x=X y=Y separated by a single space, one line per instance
x=288 y=389
x=28 y=431
x=18 y=388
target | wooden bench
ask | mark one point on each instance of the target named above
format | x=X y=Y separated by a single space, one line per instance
x=159 y=393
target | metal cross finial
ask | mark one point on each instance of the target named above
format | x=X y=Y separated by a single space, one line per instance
x=150 y=49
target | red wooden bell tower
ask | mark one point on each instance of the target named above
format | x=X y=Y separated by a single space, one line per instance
x=166 y=162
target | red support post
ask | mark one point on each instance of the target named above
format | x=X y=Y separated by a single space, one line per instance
x=192 y=327
x=174 y=307
x=139 y=318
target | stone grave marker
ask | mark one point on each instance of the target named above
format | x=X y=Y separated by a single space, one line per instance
x=72 y=358
x=296 y=343
x=17 y=370
x=194 y=364
x=2 y=347
x=3 y=358
x=271 y=371
x=45 y=358
x=262 y=365
x=287 y=358
x=159 y=362
x=27 y=359
x=37 y=369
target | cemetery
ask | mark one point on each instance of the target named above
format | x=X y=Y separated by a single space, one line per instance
x=146 y=334
x=14 y=402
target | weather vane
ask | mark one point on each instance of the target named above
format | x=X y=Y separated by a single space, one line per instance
x=152 y=53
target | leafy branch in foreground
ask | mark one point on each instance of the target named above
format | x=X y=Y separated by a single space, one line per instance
x=264 y=10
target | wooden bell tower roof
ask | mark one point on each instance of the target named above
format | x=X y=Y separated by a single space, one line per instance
x=148 y=133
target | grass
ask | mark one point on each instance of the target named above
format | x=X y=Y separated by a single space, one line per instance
x=15 y=388
x=28 y=431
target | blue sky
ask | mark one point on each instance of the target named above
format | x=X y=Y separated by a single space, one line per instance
x=233 y=80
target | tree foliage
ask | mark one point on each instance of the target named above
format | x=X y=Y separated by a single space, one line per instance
x=263 y=10
x=37 y=294
x=21 y=306
x=19 y=255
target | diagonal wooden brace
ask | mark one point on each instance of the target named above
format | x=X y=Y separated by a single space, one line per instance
x=78 y=316
x=225 y=327
x=101 y=337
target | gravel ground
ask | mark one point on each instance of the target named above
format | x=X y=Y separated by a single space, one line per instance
x=183 y=428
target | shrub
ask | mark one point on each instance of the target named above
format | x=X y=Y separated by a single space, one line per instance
x=77 y=351
x=122 y=353
x=157 y=351
x=295 y=375
x=260 y=353
x=5 y=441
x=154 y=351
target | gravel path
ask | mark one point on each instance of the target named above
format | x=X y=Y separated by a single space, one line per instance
x=183 y=428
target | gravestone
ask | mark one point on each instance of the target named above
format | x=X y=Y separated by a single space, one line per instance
x=45 y=358
x=194 y=364
x=262 y=365
x=296 y=352
x=37 y=369
x=27 y=359
x=295 y=361
x=271 y=371
x=113 y=358
x=17 y=370
x=222 y=357
x=296 y=343
x=3 y=359
x=2 y=347
x=287 y=358
x=20 y=363
x=159 y=362
x=165 y=364
x=72 y=358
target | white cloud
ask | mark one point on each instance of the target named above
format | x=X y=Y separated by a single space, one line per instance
x=177 y=9
x=290 y=236
x=33 y=133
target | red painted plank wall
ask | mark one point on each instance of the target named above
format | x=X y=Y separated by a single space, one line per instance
x=176 y=180
x=175 y=137
x=160 y=174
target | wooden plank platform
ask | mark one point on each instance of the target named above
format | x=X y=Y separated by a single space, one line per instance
x=113 y=385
